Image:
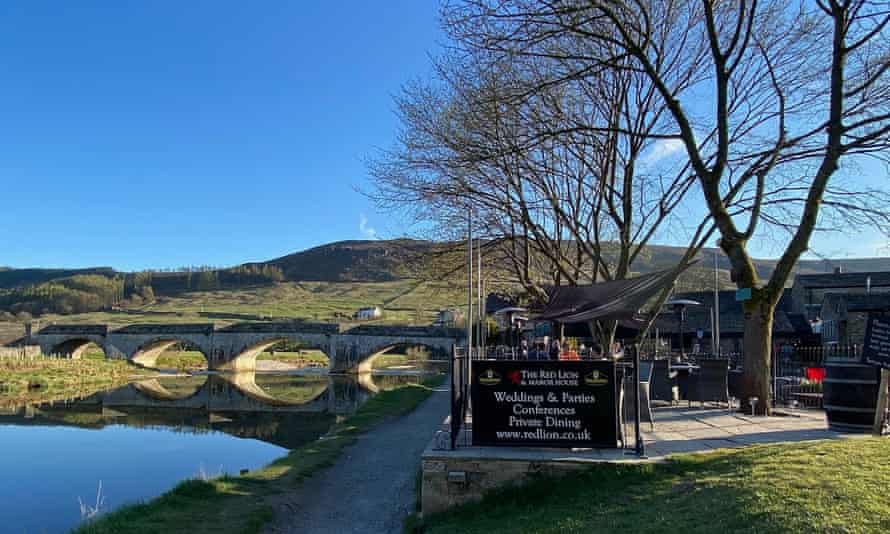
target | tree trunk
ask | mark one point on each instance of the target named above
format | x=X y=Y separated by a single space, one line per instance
x=757 y=350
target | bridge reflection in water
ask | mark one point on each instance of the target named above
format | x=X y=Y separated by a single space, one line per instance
x=283 y=409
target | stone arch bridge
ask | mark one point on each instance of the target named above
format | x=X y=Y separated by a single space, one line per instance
x=236 y=347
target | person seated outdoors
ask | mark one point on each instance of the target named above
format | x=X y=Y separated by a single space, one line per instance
x=555 y=349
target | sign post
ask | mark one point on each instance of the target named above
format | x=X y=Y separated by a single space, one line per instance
x=876 y=351
x=566 y=404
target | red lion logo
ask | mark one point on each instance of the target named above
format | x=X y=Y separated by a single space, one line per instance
x=515 y=377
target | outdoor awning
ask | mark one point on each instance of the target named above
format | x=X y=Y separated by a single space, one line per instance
x=618 y=299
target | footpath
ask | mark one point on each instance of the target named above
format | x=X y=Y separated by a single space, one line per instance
x=371 y=487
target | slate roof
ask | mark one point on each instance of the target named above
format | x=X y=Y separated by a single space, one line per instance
x=732 y=316
x=839 y=280
x=857 y=302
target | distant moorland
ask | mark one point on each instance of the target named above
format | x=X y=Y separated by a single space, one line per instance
x=409 y=279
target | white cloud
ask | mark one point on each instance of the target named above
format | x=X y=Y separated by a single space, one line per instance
x=367 y=231
x=662 y=149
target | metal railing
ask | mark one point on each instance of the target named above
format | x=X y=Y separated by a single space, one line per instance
x=504 y=352
x=796 y=375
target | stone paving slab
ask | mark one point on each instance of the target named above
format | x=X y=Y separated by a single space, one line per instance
x=678 y=429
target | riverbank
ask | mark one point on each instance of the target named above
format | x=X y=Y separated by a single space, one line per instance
x=827 y=486
x=34 y=380
x=372 y=488
x=243 y=504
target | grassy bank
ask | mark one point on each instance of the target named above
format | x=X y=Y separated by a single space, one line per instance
x=48 y=379
x=237 y=504
x=405 y=301
x=837 y=486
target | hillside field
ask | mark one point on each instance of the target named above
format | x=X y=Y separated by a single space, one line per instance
x=403 y=302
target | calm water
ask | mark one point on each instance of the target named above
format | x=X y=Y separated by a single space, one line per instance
x=140 y=440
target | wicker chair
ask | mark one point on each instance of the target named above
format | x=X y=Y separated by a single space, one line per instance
x=664 y=382
x=645 y=403
x=710 y=383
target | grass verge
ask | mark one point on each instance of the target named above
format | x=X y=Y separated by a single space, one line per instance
x=237 y=504
x=49 y=379
x=828 y=486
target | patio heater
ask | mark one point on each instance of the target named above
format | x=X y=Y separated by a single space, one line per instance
x=679 y=306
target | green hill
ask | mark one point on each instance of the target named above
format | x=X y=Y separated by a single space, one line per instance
x=410 y=279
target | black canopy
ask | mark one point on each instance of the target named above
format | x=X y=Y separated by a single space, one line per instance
x=617 y=299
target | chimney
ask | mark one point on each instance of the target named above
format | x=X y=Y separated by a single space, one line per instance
x=868 y=285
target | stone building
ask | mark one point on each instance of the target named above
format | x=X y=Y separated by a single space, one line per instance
x=844 y=316
x=368 y=313
x=449 y=317
x=810 y=290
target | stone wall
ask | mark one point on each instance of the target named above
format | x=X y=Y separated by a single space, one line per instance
x=449 y=481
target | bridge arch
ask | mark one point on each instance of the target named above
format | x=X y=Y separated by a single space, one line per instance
x=73 y=348
x=147 y=353
x=246 y=383
x=366 y=365
x=244 y=356
x=160 y=390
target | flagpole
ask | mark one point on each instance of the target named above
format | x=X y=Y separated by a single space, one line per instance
x=480 y=337
x=716 y=308
x=469 y=289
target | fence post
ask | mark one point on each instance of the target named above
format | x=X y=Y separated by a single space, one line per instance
x=881 y=408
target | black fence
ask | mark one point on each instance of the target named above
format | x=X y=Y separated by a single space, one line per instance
x=460 y=391
x=798 y=372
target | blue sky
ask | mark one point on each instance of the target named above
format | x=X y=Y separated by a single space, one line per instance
x=155 y=134
x=160 y=134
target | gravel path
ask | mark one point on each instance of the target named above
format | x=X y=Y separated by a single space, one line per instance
x=370 y=489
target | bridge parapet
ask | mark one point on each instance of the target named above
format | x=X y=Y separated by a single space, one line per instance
x=74 y=329
x=405 y=331
x=291 y=327
x=161 y=329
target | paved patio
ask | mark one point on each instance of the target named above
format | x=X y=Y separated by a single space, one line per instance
x=677 y=429
x=682 y=429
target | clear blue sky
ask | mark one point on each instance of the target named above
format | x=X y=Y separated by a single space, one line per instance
x=144 y=134
x=165 y=133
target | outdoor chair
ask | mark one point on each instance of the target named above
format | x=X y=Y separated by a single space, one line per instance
x=710 y=383
x=645 y=403
x=664 y=382
x=735 y=383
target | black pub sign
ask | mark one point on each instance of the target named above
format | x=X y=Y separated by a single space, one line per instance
x=544 y=404
x=876 y=348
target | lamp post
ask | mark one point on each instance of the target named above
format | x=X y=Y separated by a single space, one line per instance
x=679 y=306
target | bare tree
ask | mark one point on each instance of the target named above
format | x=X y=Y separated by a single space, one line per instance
x=570 y=180
x=768 y=99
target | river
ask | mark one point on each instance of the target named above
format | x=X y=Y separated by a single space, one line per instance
x=140 y=440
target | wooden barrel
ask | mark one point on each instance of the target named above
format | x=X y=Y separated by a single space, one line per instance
x=850 y=394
